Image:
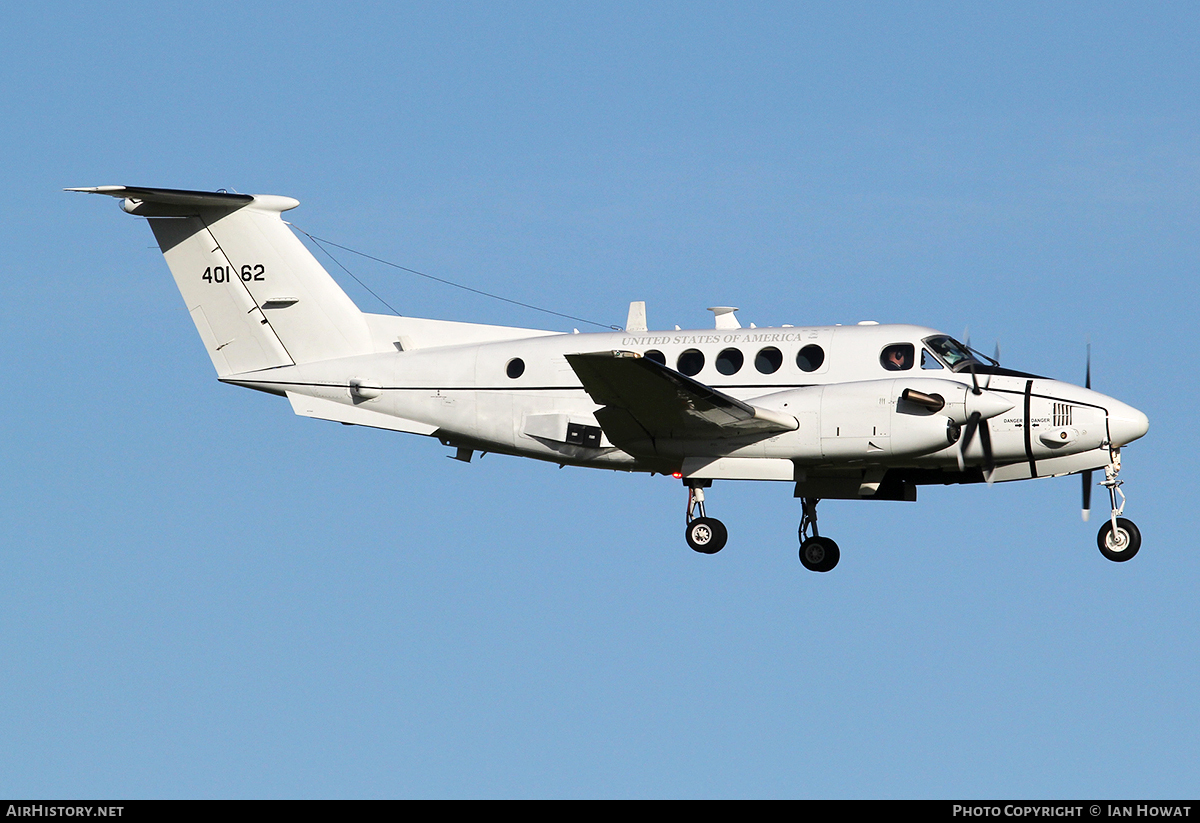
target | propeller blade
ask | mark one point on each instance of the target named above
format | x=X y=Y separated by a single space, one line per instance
x=996 y=354
x=985 y=440
x=1087 y=475
x=1087 y=494
x=976 y=424
x=967 y=436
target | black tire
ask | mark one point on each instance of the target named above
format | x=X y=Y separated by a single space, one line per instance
x=1123 y=545
x=707 y=535
x=819 y=554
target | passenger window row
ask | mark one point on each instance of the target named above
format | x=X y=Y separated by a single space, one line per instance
x=730 y=361
x=896 y=357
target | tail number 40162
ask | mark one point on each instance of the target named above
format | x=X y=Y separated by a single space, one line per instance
x=226 y=274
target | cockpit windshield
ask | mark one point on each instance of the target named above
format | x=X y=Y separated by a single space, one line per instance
x=955 y=355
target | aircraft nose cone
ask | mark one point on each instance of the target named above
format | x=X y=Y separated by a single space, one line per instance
x=1125 y=423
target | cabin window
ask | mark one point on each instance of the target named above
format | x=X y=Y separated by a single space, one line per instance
x=515 y=368
x=768 y=360
x=730 y=361
x=690 y=362
x=810 y=358
x=657 y=356
x=897 y=357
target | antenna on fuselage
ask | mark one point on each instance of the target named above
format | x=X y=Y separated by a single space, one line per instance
x=637 y=316
x=723 y=317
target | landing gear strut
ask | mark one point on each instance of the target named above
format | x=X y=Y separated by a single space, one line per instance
x=817 y=554
x=1119 y=539
x=706 y=535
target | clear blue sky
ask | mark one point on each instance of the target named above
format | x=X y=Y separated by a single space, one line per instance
x=206 y=596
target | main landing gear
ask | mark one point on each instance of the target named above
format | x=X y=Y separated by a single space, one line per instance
x=706 y=535
x=817 y=554
x=1119 y=539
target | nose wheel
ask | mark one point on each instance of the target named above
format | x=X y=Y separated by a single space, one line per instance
x=817 y=554
x=1119 y=542
x=706 y=535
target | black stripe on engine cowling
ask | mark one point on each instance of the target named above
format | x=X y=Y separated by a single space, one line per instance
x=1029 y=430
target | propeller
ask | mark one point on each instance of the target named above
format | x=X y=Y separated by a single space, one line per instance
x=985 y=442
x=1087 y=475
x=981 y=406
x=976 y=422
x=975 y=388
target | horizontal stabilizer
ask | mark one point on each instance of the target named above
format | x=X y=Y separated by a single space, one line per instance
x=172 y=197
x=322 y=409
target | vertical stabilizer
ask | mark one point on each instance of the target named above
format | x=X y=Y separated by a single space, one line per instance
x=258 y=298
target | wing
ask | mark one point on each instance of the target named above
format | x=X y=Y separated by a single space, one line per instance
x=645 y=402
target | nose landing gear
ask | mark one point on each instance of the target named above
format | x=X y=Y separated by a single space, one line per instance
x=1119 y=539
x=817 y=554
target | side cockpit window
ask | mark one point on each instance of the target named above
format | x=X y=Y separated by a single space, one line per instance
x=928 y=361
x=953 y=354
x=897 y=357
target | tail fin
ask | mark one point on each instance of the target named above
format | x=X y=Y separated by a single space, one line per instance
x=258 y=298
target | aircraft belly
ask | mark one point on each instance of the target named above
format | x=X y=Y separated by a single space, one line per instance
x=738 y=468
x=453 y=409
x=1053 y=466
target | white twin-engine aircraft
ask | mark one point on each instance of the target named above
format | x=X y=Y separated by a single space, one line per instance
x=844 y=412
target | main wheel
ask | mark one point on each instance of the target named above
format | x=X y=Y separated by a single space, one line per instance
x=1122 y=544
x=707 y=535
x=819 y=554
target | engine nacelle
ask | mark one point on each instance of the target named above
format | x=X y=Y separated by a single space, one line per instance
x=880 y=419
